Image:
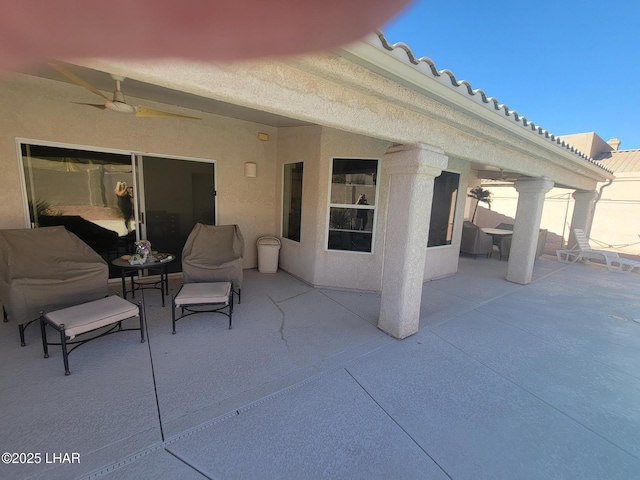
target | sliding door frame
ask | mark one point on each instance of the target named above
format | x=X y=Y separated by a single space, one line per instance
x=138 y=197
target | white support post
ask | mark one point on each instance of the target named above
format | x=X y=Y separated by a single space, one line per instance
x=582 y=212
x=412 y=169
x=526 y=230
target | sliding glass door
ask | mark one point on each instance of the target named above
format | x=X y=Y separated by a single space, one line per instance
x=174 y=195
x=110 y=199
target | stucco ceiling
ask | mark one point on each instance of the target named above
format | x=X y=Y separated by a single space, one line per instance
x=145 y=91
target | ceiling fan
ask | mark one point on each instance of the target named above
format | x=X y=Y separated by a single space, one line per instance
x=118 y=103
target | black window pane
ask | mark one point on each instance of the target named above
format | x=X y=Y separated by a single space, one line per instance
x=445 y=191
x=292 y=201
x=350 y=240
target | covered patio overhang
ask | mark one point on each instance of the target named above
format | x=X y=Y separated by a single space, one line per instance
x=428 y=121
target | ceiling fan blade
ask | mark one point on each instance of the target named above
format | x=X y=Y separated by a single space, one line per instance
x=97 y=105
x=142 y=111
x=77 y=80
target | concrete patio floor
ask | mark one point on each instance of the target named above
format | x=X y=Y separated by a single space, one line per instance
x=502 y=381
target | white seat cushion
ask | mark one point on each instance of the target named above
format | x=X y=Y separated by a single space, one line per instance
x=91 y=315
x=204 y=293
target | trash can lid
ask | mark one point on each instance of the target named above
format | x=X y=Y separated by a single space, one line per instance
x=269 y=241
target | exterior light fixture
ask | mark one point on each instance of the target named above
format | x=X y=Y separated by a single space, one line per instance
x=250 y=169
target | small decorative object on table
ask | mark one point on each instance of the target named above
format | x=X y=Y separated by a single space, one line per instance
x=143 y=249
x=137 y=259
x=160 y=257
x=132 y=265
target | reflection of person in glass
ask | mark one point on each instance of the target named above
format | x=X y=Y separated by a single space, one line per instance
x=363 y=214
x=125 y=202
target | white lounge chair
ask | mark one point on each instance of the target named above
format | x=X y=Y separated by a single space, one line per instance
x=582 y=251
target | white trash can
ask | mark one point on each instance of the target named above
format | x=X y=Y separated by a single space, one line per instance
x=268 y=253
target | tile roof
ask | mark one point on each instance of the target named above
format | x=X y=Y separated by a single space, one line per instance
x=464 y=87
x=620 y=161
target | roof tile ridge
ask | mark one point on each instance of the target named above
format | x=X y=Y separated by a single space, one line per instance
x=434 y=70
x=517 y=118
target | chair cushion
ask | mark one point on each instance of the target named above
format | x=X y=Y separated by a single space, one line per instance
x=203 y=293
x=91 y=315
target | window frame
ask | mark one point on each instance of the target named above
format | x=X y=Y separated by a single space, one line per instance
x=453 y=211
x=373 y=208
x=282 y=219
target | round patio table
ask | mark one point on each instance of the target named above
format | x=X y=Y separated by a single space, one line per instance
x=152 y=264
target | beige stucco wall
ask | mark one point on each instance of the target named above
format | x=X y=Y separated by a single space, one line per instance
x=616 y=222
x=309 y=259
x=588 y=143
x=301 y=144
x=358 y=271
x=43 y=110
x=556 y=214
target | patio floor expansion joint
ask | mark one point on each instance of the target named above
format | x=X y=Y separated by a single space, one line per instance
x=420 y=447
x=153 y=373
x=203 y=426
x=123 y=462
x=176 y=456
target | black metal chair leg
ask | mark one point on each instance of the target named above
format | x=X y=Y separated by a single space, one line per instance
x=124 y=285
x=43 y=330
x=133 y=286
x=141 y=321
x=166 y=280
x=173 y=314
x=21 y=329
x=231 y=305
x=65 y=354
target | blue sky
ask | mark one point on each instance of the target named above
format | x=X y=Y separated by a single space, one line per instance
x=569 y=66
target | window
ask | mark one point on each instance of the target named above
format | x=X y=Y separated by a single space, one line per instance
x=85 y=186
x=292 y=201
x=352 y=205
x=443 y=209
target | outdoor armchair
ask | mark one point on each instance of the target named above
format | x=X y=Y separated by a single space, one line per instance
x=475 y=241
x=214 y=253
x=46 y=269
x=504 y=243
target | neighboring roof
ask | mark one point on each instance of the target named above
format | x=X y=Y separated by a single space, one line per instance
x=589 y=142
x=446 y=77
x=621 y=161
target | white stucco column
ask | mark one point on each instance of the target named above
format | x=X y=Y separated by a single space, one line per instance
x=522 y=255
x=582 y=211
x=412 y=169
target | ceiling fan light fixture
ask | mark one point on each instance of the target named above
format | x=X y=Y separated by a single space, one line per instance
x=118 y=104
x=120 y=107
